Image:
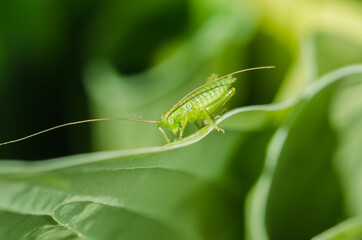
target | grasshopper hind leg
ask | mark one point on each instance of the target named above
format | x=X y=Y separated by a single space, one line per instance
x=209 y=121
x=221 y=113
x=215 y=107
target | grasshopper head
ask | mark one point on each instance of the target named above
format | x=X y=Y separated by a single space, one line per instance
x=170 y=123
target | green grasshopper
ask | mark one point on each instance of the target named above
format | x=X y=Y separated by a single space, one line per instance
x=199 y=104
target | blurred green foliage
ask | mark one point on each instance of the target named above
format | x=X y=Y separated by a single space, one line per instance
x=287 y=169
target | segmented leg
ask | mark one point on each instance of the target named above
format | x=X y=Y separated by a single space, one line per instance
x=183 y=125
x=216 y=117
x=221 y=113
x=211 y=122
x=216 y=106
x=164 y=134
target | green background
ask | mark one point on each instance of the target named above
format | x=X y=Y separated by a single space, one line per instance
x=288 y=167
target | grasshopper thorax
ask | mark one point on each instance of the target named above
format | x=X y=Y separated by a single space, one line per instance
x=170 y=122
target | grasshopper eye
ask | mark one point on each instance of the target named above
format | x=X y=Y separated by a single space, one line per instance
x=170 y=120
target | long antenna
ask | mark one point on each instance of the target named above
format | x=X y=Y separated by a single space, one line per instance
x=240 y=71
x=78 y=122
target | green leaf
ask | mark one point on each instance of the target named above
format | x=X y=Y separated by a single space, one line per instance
x=350 y=229
x=299 y=186
x=105 y=193
x=167 y=194
x=22 y=226
x=178 y=191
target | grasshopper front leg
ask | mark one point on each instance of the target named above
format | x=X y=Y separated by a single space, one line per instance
x=164 y=134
